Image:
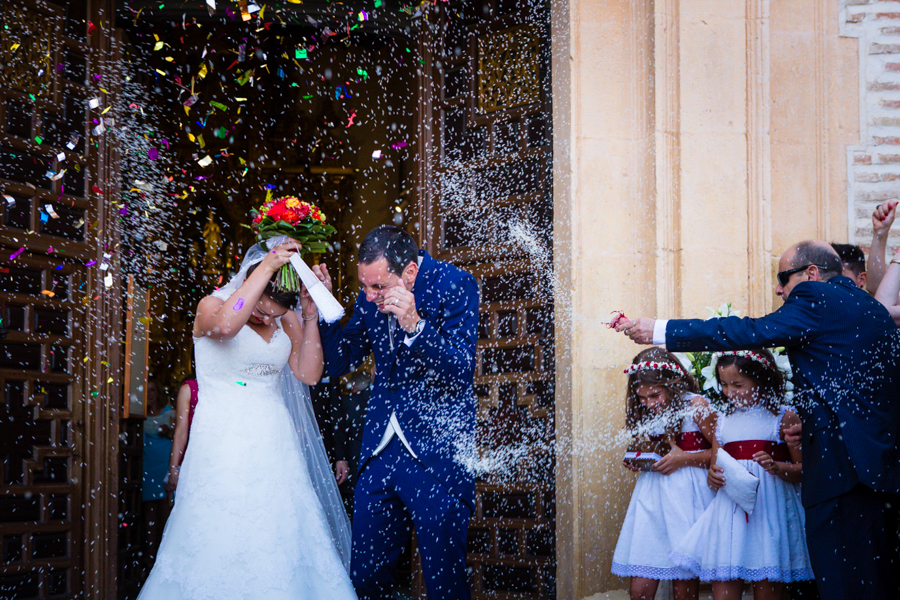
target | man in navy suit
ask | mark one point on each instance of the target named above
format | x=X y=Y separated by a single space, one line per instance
x=419 y=317
x=844 y=352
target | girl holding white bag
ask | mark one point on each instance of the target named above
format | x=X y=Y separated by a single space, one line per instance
x=662 y=401
x=737 y=538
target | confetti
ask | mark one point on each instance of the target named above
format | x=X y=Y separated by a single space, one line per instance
x=376 y=154
x=94 y=103
x=205 y=161
x=617 y=317
x=48 y=293
x=241 y=383
x=239 y=304
x=10 y=201
x=16 y=254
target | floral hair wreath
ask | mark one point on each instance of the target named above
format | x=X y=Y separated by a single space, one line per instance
x=653 y=365
x=748 y=354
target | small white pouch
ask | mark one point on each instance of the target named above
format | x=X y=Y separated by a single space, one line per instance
x=740 y=484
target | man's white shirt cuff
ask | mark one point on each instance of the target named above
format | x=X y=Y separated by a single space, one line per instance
x=659 y=332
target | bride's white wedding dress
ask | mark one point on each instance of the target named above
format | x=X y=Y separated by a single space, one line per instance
x=247 y=522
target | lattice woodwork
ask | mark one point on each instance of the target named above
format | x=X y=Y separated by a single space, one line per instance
x=509 y=73
x=487 y=206
x=57 y=350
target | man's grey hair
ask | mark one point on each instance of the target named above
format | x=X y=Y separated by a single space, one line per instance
x=820 y=254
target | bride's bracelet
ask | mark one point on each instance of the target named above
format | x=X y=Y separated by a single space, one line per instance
x=305 y=318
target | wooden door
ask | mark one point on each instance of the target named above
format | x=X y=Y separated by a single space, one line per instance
x=485 y=155
x=58 y=351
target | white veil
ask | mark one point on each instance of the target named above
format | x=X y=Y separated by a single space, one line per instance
x=297 y=400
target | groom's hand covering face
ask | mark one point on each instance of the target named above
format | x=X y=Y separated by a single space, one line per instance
x=376 y=279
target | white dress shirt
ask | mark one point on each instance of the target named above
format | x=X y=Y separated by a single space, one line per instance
x=393 y=426
x=659 y=332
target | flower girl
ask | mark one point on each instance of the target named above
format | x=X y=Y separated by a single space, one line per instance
x=662 y=401
x=767 y=547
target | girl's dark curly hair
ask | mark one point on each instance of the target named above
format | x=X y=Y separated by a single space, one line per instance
x=770 y=380
x=677 y=383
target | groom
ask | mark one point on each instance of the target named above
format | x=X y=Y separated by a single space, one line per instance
x=419 y=317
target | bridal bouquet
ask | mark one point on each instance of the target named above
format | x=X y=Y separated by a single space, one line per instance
x=702 y=365
x=289 y=216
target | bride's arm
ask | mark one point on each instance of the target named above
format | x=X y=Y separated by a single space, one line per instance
x=222 y=320
x=306 y=347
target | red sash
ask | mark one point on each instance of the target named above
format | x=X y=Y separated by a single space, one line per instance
x=689 y=442
x=744 y=450
x=692 y=441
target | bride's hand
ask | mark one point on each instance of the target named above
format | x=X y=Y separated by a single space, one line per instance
x=310 y=310
x=281 y=255
x=321 y=271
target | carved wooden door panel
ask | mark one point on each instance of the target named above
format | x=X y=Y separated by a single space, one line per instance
x=58 y=350
x=485 y=150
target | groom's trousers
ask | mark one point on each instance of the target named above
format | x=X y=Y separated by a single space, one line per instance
x=395 y=493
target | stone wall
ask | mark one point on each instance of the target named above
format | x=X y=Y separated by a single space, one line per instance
x=874 y=163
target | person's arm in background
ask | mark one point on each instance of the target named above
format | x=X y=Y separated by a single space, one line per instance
x=179 y=441
x=882 y=219
x=889 y=291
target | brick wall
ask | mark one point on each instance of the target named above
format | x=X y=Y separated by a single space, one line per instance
x=874 y=164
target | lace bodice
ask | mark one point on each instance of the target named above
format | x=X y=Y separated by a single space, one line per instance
x=245 y=363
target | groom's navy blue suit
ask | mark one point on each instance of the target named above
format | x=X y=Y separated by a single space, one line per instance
x=844 y=351
x=428 y=385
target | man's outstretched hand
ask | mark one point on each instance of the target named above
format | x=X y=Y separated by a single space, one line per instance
x=639 y=330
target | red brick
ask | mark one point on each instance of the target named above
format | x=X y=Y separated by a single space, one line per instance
x=862 y=159
x=887 y=122
x=892 y=66
x=891 y=30
x=880 y=86
x=877 y=196
x=856 y=17
x=884 y=49
x=890 y=103
x=889 y=15
x=890 y=176
x=887 y=141
x=867 y=177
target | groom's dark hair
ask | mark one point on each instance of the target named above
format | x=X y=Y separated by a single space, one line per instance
x=393 y=244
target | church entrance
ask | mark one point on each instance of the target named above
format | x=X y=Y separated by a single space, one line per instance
x=431 y=116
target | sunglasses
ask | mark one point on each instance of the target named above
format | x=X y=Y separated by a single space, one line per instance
x=784 y=276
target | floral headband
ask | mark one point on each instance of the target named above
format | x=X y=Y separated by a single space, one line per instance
x=652 y=365
x=748 y=354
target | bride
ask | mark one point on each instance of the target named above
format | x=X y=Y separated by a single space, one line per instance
x=257 y=515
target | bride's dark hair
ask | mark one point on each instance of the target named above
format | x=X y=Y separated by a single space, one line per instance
x=286 y=299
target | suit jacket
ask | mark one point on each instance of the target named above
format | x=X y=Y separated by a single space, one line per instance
x=430 y=384
x=843 y=347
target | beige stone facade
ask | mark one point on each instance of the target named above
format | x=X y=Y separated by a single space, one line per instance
x=694 y=140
